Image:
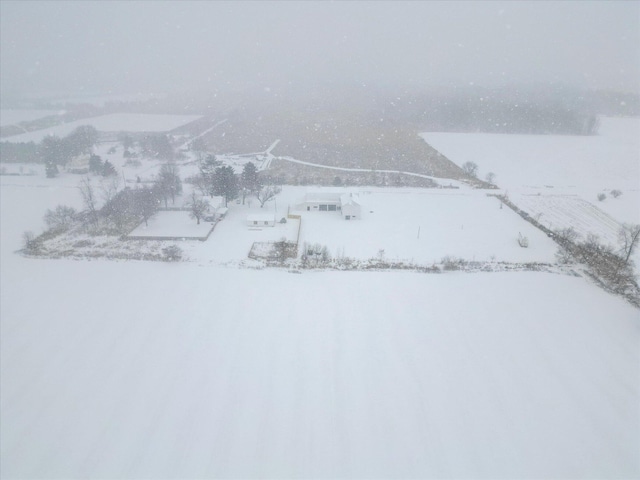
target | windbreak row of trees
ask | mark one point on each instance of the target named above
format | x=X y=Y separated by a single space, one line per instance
x=215 y=179
x=491 y=115
x=52 y=149
x=56 y=151
x=532 y=109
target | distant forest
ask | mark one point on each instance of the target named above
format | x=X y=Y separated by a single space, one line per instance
x=560 y=111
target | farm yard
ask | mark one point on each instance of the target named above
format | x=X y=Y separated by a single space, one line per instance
x=423 y=226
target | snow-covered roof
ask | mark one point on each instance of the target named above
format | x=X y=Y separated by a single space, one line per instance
x=216 y=201
x=350 y=199
x=322 y=197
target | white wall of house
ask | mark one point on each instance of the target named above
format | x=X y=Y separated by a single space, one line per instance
x=261 y=220
x=351 y=211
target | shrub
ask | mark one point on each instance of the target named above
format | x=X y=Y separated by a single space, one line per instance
x=452 y=263
x=30 y=242
x=172 y=253
x=60 y=218
x=523 y=241
x=616 y=193
x=601 y=197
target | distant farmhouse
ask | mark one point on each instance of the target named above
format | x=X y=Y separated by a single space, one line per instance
x=347 y=204
x=79 y=164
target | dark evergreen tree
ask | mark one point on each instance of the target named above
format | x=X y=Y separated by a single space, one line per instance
x=53 y=152
x=225 y=183
x=108 y=170
x=207 y=172
x=51 y=169
x=95 y=165
x=249 y=180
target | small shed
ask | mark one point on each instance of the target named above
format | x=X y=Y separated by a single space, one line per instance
x=261 y=220
x=350 y=206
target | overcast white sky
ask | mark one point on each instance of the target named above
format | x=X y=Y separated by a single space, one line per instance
x=128 y=47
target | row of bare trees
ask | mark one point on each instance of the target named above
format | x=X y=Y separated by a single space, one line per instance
x=612 y=267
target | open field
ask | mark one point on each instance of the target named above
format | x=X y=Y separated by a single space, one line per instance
x=134 y=369
x=557 y=178
x=608 y=160
x=332 y=138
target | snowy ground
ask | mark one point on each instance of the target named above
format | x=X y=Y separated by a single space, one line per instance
x=116 y=122
x=426 y=225
x=139 y=369
x=172 y=224
x=577 y=168
x=604 y=161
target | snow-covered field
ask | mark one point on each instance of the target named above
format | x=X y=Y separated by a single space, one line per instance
x=138 y=369
x=565 y=171
x=14 y=117
x=608 y=160
x=116 y=122
x=561 y=211
x=426 y=225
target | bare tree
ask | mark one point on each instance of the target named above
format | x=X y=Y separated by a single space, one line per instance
x=29 y=241
x=470 y=168
x=60 y=218
x=89 y=198
x=198 y=207
x=490 y=178
x=267 y=193
x=109 y=188
x=628 y=236
x=168 y=183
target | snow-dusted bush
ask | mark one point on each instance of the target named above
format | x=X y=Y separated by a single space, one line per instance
x=523 y=241
x=60 y=218
x=172 y=253
x=616 y=193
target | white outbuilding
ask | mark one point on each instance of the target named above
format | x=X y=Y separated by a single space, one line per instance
x=350 y=206
x=258 y=220
x=346 y=204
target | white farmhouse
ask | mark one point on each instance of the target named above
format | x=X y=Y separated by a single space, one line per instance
x=261 y=220
x=347 y=204
x=79 y=164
